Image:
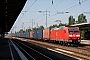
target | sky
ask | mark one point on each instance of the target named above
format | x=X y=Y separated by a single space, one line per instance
x=55 y=11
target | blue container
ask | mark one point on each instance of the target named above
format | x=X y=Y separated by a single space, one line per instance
x=39 y=34
x=35 y=34
x=20 y=34
x=27 y=35
x=24 y=35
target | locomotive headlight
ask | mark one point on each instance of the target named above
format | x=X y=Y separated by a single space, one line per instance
x=70 y=35
x=79 y=40
x=78 y=35
x=70 y=40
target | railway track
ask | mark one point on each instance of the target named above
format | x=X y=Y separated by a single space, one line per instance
x=62 y=50
x=74 y=52
x=84 y=47
x=31 y=53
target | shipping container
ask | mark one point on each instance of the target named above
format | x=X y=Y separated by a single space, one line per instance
x=27 y=35
x=39 y=34
x=31 y=34
x=46 y=34
x=35 y=35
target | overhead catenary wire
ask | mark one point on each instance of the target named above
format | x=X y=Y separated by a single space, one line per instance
x=29 y=8
x=69 y=8
x=74 y=5
x=82 y=8
x=56 y=9
x=54 y=6
x=23 y=12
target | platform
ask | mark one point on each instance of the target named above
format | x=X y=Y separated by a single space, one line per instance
x=85 y=42
x=5 y=50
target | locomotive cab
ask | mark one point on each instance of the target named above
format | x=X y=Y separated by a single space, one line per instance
x=74 y=35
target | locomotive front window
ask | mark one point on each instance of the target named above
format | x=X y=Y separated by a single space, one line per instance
x=73 y=30
x=76 y=30
x=70 y=30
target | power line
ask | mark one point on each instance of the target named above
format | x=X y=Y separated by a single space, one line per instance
x=59 y=2
x=75 y=5
x=46 y=15
x=26 y=10
x=53 y=5
x=82 y=8
x=31 y=5
x=68 y=8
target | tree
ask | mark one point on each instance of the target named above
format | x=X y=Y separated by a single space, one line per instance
x=41 y=28
x=71 y=20
x=62 y=24
x=53 y=26
x=76 y=22
x=34 y=29
x=82 y=18
x=28 y=30
x=21 y=31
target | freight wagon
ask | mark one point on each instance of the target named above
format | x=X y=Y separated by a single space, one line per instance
x=35 y=34
x=31 y=34
x=40 y=34
x=46 y=34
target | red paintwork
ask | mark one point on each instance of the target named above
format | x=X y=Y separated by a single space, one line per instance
x=63 y=34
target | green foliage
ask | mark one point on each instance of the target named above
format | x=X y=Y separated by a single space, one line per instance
x=76 y=22
x=34 y=29
x=28 y=30
x=82 y=34
x=53 y=26
x=57 y=26
x=21 y=31
x=71 y=20
x=82 y=18
x=61 y=24
x=40 y=28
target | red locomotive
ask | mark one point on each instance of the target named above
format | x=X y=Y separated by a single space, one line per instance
x=66 y=35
